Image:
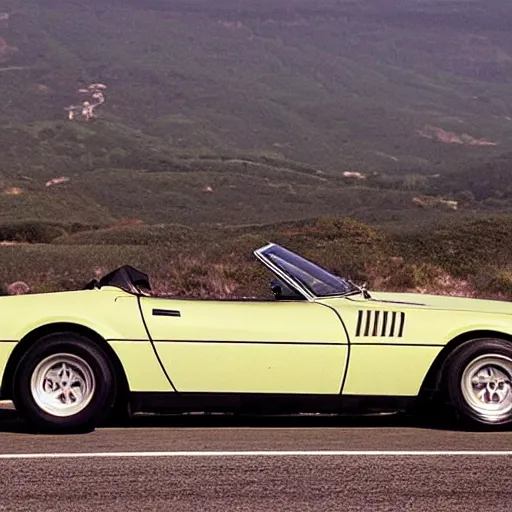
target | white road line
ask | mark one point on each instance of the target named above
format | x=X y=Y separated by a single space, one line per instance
x=329 y=453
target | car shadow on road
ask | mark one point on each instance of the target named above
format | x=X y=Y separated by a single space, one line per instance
x=288 y=421
x=11 y=422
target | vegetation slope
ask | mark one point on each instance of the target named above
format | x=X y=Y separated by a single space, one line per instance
x=240 y=115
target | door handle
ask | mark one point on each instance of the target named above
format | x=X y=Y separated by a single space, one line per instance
x=166 y=312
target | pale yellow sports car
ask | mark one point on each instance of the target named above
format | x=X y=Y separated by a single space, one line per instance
x=323 y=345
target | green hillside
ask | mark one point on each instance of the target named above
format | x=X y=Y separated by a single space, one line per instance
x=247 y=114
x=311 y=89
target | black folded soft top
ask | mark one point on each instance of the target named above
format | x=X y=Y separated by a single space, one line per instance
x=126 y=278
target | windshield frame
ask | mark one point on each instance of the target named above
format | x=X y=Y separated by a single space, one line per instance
x=294 y=281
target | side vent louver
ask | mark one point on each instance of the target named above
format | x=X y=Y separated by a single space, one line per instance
x=380 y=323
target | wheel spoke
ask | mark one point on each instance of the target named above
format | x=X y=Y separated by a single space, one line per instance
x=53 y=376
x=478 y=383
x=76 y=381
x=502 y=391
x=76 y=393
x=63 y=371
x=56 y=394
x=482 y=394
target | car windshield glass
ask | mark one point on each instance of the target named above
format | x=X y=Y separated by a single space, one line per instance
x=312 y=277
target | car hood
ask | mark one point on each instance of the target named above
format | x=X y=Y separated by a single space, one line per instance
x=439 y=302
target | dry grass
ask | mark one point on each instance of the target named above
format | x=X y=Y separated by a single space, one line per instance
x=218 y=262
x=196 y=277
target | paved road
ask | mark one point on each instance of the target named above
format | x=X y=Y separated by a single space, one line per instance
x=224 y=482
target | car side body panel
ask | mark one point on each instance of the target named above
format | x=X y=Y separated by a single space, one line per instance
x=395 y=338
x=248 y=346
x=6 y=350
x=143 y=371
x=111 y=313
x=388 y=370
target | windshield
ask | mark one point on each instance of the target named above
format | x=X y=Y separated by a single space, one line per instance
x=312 y=277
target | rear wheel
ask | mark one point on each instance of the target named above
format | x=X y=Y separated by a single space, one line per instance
x=477 y=381
x=64 y=383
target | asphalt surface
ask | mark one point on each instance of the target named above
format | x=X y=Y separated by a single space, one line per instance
x=224 y=482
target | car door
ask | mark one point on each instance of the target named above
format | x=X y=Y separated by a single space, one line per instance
x=248 y=346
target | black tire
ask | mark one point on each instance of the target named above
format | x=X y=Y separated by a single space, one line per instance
x=100 y=376
x=469 y=357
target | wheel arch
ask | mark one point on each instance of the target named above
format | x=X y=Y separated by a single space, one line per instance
x=32 y=337
x=432 y=380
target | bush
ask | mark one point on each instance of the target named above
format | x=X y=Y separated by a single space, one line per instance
x=30 y=232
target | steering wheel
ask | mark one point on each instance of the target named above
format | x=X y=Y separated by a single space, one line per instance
x=277 y=289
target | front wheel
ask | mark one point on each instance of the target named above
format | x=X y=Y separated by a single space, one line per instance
x=64 y=383
x=477 y=380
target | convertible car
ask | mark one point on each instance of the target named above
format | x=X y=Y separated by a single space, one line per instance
x=319 y=344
